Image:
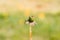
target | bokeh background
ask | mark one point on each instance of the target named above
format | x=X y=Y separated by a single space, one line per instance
x=13 y=14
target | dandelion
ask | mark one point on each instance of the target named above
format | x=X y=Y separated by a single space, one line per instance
x=41 y=16
x=27 y=12
x=5 y=15
x=31 y=22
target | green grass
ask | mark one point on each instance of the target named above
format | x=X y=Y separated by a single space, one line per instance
x=47 y=29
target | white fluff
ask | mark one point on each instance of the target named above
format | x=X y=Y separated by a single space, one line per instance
x=31 y=24
x=27 y=22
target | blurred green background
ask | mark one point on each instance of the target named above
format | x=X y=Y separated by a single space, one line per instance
x=13 y=14
x=12 y=27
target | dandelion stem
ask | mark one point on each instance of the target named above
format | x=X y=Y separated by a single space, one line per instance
x=30 y=33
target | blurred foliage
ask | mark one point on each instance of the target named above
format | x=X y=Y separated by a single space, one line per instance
x=14 y=27
x=1 y=16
